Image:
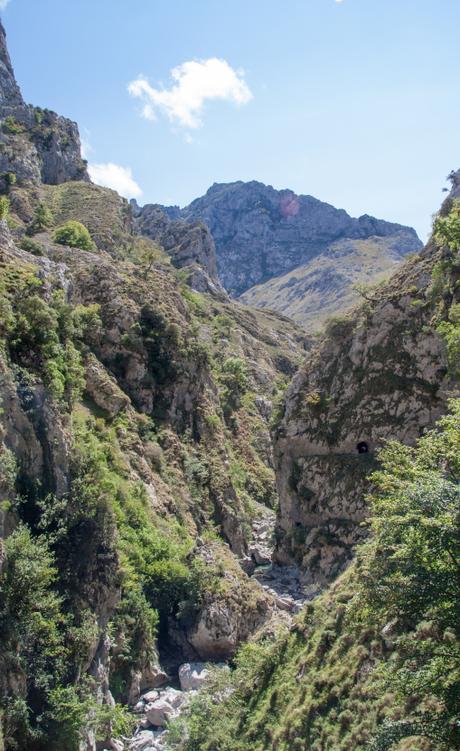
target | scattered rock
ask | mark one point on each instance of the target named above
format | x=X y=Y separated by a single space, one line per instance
x=174 y=697
x=150 y=696
x=144 y=740
x=159 y=712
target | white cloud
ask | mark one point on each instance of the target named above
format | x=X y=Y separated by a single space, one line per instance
x=3 y=4
x=195 y=82
x=116 y=177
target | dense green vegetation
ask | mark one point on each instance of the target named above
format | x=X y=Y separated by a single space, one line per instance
x=4 y=207
x=447 y=227
x=98 y=549
x=69 y=554
x=376 y=659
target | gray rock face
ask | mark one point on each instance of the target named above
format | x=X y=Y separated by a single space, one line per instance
x=454 y=178
x=261 y=233
x=37 y=145
x=379 y=375
x=190 y=245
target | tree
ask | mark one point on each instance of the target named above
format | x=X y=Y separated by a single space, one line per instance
x=409 y=575
x=31 y=629
x=75 y=235
x=42 y=219
x=447 y=228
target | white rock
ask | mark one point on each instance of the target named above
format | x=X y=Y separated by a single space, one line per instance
x=159 y=712
x=139 y=707
x=142 y=740
x=261 y=555
x=285 y=603
x=192 y=675
x=150 y=696
x=173 y=697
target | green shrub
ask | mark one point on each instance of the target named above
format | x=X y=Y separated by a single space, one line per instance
x=47 y=330
x=234 y=379
x=11 y=125
x=8 y=180
x=75 y=235
x=31 y=246
x=339 y=327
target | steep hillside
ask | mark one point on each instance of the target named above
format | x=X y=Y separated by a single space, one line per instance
x=327 y=285
x=135 y=455
x=261 y=233
x=134 y=421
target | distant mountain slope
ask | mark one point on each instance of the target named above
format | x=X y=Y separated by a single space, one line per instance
x=325 y=286
x=261 y=233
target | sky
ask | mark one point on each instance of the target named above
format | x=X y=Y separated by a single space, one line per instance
x=354 y=102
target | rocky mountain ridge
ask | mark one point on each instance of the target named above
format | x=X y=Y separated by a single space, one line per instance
x=261 y=233
x=190 y=245
x=37 y=145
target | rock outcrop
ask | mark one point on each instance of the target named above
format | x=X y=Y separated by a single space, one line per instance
x=10 y=93
x=189 y=244
x=261 y=233
x=36 y=145
x=380 y=374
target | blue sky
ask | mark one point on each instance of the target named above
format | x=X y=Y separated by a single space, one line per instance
x=355 y=102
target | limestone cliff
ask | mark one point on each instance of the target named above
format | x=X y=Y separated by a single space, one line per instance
x=380 y=373
x=189 y=244
x=36 y=145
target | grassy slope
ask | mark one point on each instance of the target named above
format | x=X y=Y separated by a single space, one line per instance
x=315 y=688
x=324 y=287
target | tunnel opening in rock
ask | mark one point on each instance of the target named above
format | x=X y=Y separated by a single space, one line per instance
x=362 y=447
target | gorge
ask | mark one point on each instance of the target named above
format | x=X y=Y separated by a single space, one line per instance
x=185 y=471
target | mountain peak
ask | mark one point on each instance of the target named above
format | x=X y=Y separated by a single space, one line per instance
x=37 y=145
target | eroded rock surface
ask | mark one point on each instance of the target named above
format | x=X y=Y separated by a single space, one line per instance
x=189 y=244
x=377 y=375
x=261 y=233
